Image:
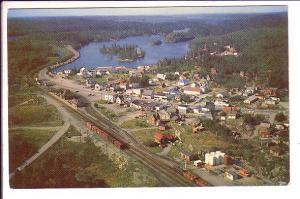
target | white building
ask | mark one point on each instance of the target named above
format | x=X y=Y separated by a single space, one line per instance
x=161 y=76
x=250 y=99
x=214 y=158
x=221 y=103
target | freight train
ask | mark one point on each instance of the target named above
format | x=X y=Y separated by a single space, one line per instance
x=195 y=179
x=118 y=143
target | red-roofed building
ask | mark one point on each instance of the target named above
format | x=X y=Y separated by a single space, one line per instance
x=163 y=138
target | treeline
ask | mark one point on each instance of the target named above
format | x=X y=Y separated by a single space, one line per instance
x=126 y=52
x=263 y=54
x=179 y=37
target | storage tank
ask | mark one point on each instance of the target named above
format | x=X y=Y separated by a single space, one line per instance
x=206 y=158
x=212 y=159
x=227 y=160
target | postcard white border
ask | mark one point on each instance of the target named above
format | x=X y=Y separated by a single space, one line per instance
x=223 y=192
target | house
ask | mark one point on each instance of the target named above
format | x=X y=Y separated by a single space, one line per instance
x=265 y=134
x=137 y=104
x=270 y=102
x=183 y=82
x=188 y=156
x=120 y=99
x=134 y=85
x=248 y=91
x=222 y=94
x=232 y=115
x=137 y=91
x=231 y=175
x=90 y=83
x=147 y=94
x=123 y=85
x=110 y=97
x=265 y=125
x=161 y=76
x=196 y=109
x=159 y=106
x=150 y=106
x=162 y=97
x=183 y=109
x=163 y=138
x=192 y=90
x=250 y=99
x=220 y=103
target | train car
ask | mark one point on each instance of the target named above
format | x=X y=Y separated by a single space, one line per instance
x=189 y=175
x=106 y=135
x=119 y=144
x=201 y=182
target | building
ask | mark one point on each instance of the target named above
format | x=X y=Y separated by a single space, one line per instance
x=109 y=97
x=221 y=103
x=183 y=108
x=162 y=97
x=231 y=175
x=214 y=158
x=232 y=115
x=163 y=138
x=183 y=82
x=147 y=94
x=137 y=104
x=251 y=99
x=192 y=90
x=222 y=94
x=161 y=76
x=120 y=99
x=90 y=83
x=188 y=156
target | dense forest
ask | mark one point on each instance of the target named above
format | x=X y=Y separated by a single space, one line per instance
x=123 y=53
x=39 y=42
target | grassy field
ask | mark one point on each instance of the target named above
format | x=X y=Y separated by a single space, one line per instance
x=108 y=113
x=204 y=141
x=34 y=115
x=81 y=165
x=24 y=143
x=135 y=123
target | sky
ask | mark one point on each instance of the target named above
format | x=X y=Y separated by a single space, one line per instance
x=144 y=11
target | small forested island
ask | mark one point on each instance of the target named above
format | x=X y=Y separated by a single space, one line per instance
x=156 y=42
x=174 y=37
x=123 y=53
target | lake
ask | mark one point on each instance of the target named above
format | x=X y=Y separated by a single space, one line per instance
x=90 y=56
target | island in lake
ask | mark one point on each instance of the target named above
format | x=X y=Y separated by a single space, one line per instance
x=123 y=53
x=156 y=42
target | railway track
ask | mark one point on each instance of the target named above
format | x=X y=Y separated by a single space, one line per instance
x=166 y=173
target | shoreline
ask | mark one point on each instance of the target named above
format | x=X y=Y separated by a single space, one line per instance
x=76 y=55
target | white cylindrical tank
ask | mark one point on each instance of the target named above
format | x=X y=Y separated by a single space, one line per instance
x=207 y=158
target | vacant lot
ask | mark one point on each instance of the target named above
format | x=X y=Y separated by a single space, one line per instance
x=81 y=165
x=34 y=115
x=135 y=123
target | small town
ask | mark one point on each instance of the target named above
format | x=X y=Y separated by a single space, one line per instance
x=188 y=100
x=169 y=112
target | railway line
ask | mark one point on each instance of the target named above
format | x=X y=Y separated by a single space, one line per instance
x=168 y=174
